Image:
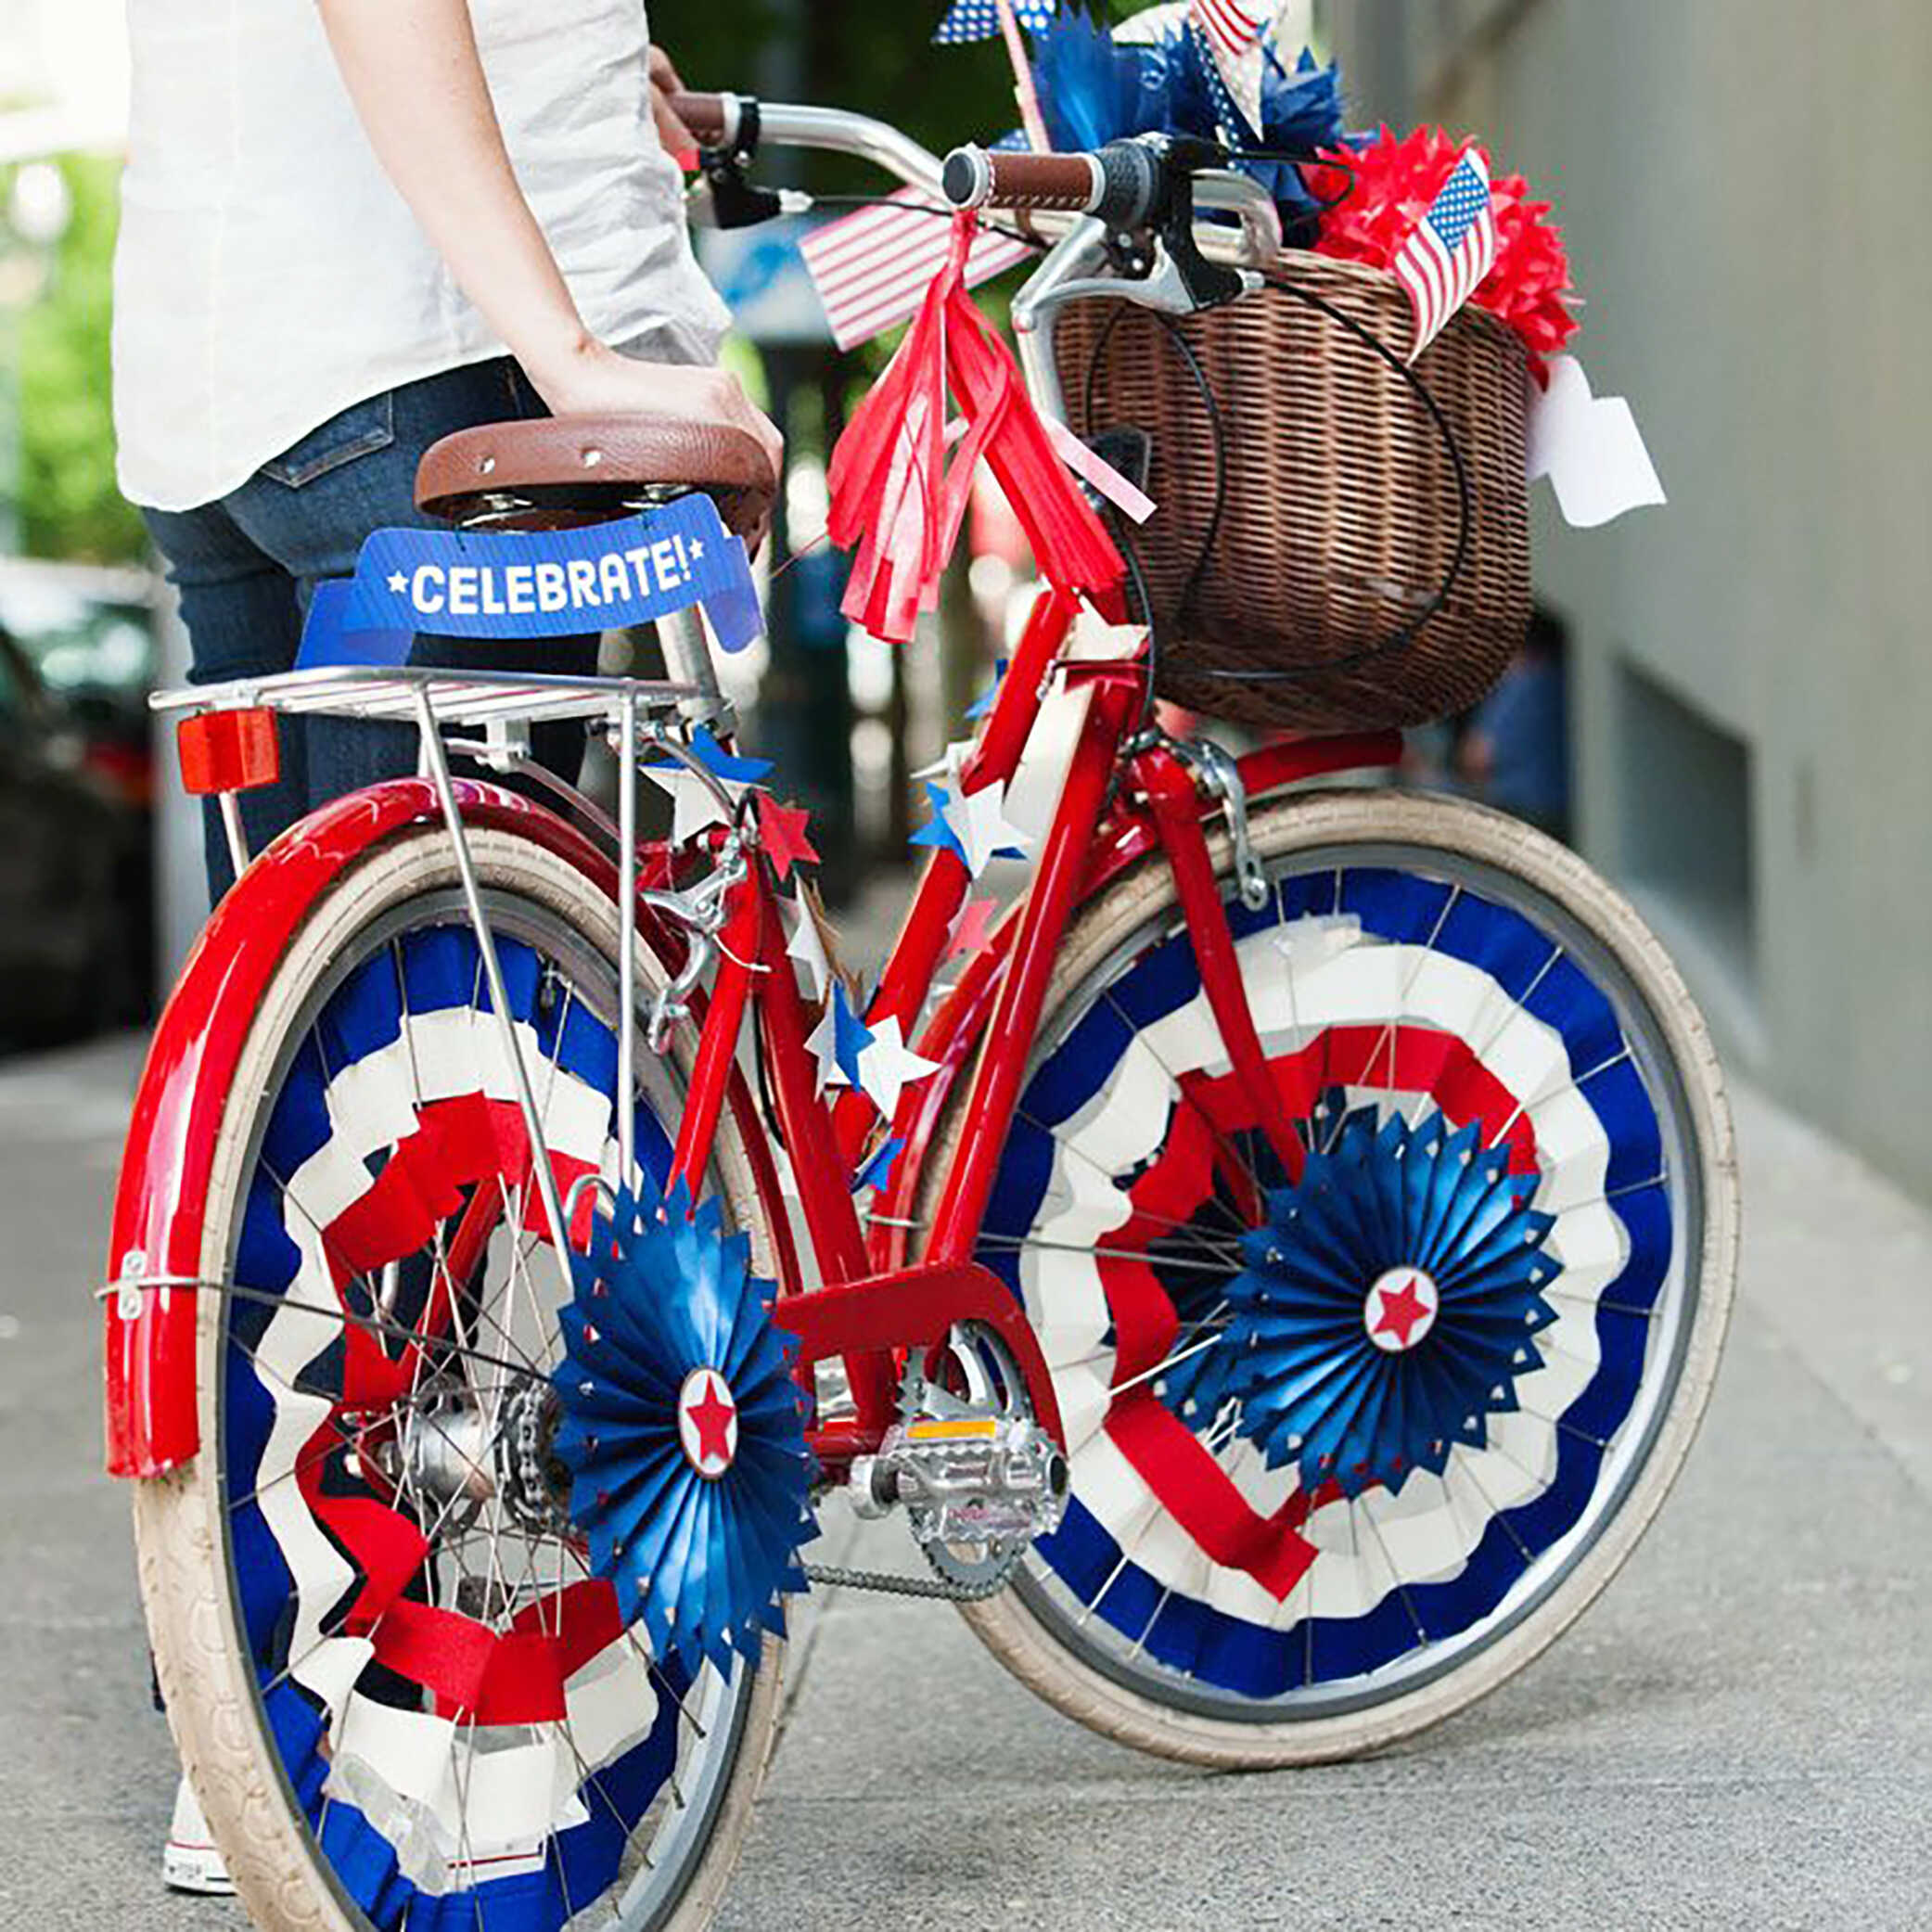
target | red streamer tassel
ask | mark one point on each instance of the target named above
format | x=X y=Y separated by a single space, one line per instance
x=898 y=504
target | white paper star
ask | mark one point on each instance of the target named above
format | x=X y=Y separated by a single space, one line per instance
x=979 y=821
x=806 y=946
x=888 y=1067
x=695 y=805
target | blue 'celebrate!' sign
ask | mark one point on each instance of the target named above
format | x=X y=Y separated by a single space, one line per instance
x=534 y=583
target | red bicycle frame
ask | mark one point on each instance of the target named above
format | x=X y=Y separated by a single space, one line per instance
x=867 y=1316
x=873 y=1293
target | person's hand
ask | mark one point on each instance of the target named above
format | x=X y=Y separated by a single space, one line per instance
x=665 y=81
x=598 y=381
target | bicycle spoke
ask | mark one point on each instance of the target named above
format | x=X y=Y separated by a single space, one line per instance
x=1017 y=1243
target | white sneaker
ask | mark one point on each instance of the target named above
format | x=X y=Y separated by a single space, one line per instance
x=189 y=1861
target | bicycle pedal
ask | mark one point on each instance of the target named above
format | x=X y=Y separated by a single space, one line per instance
x=965 y=1479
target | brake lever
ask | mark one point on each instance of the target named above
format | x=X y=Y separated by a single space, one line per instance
x=728 y=198
x=1210 y=285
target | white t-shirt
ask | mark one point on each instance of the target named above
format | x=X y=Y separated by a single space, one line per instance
x=269 y=275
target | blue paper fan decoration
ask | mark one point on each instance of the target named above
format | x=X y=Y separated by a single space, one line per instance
x=1390 y=1304
x=683 y=1433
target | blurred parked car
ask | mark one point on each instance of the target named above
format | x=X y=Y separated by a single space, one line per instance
x=76 y=801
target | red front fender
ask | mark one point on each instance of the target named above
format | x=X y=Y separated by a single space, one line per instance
x=162 y=1199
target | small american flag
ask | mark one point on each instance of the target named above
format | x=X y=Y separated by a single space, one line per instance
x=980 y=20
x=1452 y=248
x=873 y=269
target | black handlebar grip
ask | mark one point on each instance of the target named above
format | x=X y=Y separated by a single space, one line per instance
x=1133 y=176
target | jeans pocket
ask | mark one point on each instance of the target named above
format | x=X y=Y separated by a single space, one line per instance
x=360 y=430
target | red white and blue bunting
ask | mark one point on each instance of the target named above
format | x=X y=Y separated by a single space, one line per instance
x=1369 y=989
x=502 y=1788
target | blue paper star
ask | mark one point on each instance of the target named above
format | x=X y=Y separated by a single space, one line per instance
x=720 y=763
x=850 y=1035
x=936 y=832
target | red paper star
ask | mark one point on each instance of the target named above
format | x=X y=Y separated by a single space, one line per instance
x=782 y=829
x=1402 y=1307
x=972 y=932
x=712 y=1418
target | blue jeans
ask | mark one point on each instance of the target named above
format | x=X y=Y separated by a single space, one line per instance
x=247 y=567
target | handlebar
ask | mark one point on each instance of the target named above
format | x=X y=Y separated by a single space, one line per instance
x=1081 y=200
x=737 y=124
x=1145 y=184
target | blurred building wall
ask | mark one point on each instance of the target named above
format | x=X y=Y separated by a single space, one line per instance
x=1743 y=184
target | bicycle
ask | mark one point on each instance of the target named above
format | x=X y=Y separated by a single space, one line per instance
x=1259 y=1087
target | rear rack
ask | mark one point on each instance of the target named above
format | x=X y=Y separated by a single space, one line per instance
x=399 y=693
x=635 y=716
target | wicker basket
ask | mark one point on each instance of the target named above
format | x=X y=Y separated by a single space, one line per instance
x=1342 y=511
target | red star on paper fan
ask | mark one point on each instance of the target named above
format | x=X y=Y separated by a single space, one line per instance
x=972 y=932
x=708 y=1422
x=1404 y=1309
x=784 y=828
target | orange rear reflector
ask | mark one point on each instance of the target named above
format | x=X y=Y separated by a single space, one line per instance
x=228 y=751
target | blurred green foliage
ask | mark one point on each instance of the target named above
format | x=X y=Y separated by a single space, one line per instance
x=68 y=504
x=858 y=53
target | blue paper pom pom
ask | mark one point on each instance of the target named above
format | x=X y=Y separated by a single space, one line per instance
x=1094 y=89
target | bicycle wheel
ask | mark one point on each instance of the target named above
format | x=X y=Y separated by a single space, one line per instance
x=404 y=1699
x=1348 y=1448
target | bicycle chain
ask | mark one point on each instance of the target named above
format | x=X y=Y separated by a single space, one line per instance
x=834 y=1577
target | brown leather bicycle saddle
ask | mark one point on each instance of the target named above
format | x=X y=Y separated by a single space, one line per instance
x=596 y=461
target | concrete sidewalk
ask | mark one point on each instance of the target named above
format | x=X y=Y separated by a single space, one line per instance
x=1740 y=1734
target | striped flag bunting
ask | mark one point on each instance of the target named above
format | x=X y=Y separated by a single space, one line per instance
x=1233 y=26
x=872 y=269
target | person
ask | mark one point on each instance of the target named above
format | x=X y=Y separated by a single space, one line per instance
x=1514 y=754
x=348 y=228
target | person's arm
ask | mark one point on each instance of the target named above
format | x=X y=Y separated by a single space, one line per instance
x=413 y=69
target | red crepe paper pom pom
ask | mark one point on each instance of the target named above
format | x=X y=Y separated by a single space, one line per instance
x=1395 y=181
